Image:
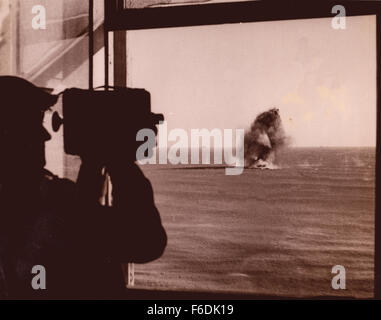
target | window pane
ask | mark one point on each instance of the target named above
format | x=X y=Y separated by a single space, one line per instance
x=54 y=56
x=130 y=4
x=266 y=231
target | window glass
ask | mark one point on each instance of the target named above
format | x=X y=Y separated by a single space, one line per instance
x=46 y=42
x=277 y=231
x=133 y=4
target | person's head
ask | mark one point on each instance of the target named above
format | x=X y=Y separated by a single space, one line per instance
x=22 y=134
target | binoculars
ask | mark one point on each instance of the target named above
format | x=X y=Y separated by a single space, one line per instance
x=101 y=121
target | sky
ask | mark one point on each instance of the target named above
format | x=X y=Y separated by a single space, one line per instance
x=323 y=80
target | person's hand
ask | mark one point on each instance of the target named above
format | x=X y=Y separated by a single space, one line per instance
x=91 y=181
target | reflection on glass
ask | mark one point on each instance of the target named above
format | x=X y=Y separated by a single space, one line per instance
x=55 y=57
x=5 y=35
x=134 y=4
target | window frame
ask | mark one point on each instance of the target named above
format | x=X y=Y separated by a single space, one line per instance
x=117 y=18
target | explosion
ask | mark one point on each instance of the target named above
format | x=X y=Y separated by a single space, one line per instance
x=265 y=138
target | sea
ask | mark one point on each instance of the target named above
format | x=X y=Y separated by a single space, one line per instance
x=267 y=232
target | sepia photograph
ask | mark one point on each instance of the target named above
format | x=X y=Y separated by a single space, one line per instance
x=188 y=150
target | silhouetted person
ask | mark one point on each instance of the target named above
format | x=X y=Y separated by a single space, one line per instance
x=60 y=225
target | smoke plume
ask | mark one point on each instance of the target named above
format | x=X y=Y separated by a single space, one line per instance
x=265 y=138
